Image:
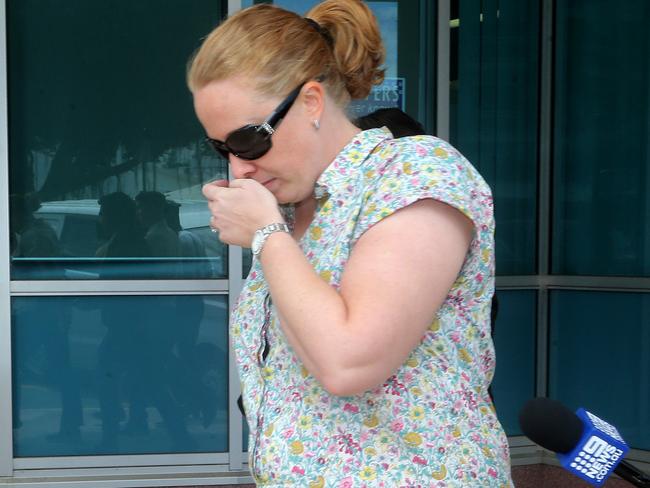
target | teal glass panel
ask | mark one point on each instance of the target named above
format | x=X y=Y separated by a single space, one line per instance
x=494 y=94
x=247 y=261
x=601 y=214
x=514 y=342
x=120 y=375
x=600 y=358
x=106 y=155
x=245 y=434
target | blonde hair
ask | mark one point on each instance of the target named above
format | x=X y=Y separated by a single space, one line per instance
x=279 y=50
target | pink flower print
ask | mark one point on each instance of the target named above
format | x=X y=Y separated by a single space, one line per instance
x=455 y=336
x=350 y=408
x=346 y=483
x=288 y=433
x=470 y=399
x=393 y=386
x=347 y=444
x=298 y=470
x=396 y=425
x=419 y=460
x=492 y=472
x=458 y=302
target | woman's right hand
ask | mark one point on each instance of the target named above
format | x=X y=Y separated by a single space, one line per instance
x=239 y=208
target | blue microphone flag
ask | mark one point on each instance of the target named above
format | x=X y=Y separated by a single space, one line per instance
x=598 y=452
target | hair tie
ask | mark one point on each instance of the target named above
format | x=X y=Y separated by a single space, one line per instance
x=322 y=31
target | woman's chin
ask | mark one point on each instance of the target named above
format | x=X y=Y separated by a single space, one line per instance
x=290 y=198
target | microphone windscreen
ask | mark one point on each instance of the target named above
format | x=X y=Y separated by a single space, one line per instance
x=550 y=424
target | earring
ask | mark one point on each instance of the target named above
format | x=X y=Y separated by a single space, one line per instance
x=316 y=123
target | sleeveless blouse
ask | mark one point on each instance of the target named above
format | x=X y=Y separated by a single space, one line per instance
x=431 y=424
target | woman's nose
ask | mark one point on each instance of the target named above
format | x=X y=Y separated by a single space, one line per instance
x=241 y=168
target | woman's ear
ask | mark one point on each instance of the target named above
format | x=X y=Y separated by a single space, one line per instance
x=313 y=99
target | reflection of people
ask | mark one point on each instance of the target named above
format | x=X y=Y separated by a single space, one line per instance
x=31 y=236
x=161 y=239
x=118 y=228
x=44 y=330
x=190 y=245
x=118 y=367
x=137 y=359
x=373 y=303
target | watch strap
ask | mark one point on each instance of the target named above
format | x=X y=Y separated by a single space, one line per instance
x=266 y=231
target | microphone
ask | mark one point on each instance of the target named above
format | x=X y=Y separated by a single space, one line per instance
x=586 y=445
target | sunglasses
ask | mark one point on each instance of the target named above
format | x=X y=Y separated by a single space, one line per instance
x=254 y=140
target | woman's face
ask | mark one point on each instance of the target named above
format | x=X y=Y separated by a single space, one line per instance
x=287 y=169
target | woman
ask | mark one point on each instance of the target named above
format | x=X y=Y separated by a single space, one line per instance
x=362 y=333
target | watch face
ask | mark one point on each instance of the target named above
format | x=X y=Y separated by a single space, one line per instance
x=258 y=240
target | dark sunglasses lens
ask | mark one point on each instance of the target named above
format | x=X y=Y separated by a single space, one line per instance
x=249 y=143
x=218 y=146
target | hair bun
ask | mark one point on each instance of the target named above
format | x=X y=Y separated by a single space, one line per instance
x=358 y=47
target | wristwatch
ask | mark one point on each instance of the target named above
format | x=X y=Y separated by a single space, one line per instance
x=260 y=236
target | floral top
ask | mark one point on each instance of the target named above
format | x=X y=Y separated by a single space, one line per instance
x=432 y=423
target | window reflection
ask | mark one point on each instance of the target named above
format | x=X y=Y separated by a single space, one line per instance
x=120 y=375
x=100 y=122
x=600 y=127
x=587 y=360
x=514 y=342
x=115 y=236
x=494 y=92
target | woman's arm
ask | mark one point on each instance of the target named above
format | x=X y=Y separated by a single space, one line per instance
x=398 y=275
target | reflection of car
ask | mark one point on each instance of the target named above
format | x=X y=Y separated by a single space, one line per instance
x=76 y=223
